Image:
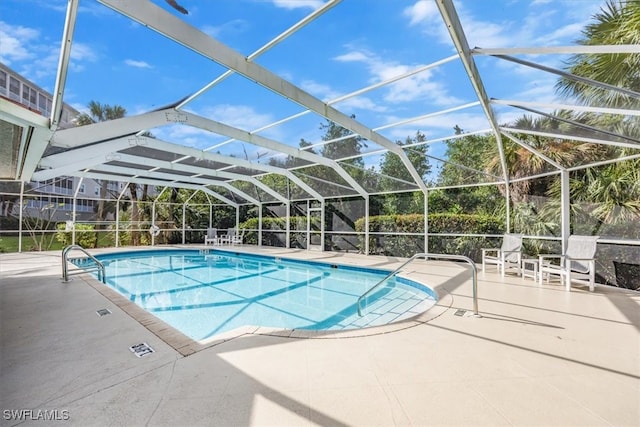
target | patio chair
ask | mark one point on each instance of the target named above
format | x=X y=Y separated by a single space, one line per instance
x=577 y=263
x=508 y=256
x=211 y=237
x=235 y=237
x=239 y=237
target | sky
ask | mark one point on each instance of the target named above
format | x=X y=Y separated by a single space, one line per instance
x=355 y=44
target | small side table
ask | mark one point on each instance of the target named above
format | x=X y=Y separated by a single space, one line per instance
x=533 y=271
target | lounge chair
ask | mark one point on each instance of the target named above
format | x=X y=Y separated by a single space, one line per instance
x=578 y=262
x=508 y=256
x=211 y=238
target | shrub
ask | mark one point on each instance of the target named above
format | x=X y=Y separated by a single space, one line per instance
x=396 y=243
x=274 y=230
x=85 y=235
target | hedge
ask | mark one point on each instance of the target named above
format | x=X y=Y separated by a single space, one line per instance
x=397 y=244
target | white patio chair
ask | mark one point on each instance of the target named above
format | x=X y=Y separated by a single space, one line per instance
x=211 y=238
x=237 y=237
x=578 y=262
x=225 y=239
x=508 y=256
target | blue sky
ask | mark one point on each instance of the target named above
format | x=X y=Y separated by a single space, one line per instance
x=356 y=44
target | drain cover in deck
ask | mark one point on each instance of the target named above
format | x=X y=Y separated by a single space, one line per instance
x=141 y=349
x=103 y=312
x=460 y=312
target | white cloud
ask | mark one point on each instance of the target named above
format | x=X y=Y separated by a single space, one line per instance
x=433 y=127
x=542 y=90
x=540 y=2
x=569 y=31
x=422 y=11
x=487 y=34
x=37 y=59
x=235 y=26
x=137 y=64
x=426 y=15
x=361 y=103
x=296 y=4
x=239 y=116
x=319 y=90
x=14 y=41
x=540 y=26
x=352 y=56
x=418 y=86
x=327 y=94
x=184 y=135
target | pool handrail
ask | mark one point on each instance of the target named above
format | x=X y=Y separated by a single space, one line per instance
x=99 y=267
x=474 y=276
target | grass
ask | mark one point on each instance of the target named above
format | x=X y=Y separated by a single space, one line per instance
x=9 y=244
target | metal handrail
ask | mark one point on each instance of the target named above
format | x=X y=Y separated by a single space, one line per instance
x=468 y=260
x=99 y=267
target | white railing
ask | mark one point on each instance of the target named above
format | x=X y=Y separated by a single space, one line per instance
x=96 y=266
x=468 y=260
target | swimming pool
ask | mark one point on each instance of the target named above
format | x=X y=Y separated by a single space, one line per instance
x=204 y=294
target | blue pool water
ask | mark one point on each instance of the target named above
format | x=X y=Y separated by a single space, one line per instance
x=205 y=294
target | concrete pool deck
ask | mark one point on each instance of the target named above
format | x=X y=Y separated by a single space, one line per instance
x=537 y=356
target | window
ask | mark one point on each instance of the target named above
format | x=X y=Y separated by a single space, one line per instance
x=96 y=191
x=33 y=98
x=14 y=88
x=3 y=82
x=42 y=102
x=65 y=186
x=82 y=188
x=29 y=96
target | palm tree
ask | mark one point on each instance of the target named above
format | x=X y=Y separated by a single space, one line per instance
x=618 y=22
x=100 y=113
x=612 y=191
x=522 y=163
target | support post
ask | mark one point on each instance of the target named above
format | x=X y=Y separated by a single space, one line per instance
x=426 y=222
x=507 y=196
x=260 y=226
x=153 y=222
x=565 y=208
x=117 y=243
x=322 y=222
x=20 y=216
x=288 y=225
x=366 y=224
x=184 y=221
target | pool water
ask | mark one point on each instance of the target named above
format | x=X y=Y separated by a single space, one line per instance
x=206 y=294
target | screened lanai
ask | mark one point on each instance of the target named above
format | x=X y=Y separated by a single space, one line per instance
x=322 y=131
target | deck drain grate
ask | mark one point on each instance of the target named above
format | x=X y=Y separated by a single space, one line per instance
x=141 y=349
x=103 y=312
x=460 y=312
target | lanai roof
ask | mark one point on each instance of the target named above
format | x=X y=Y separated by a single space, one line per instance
x=195 y=143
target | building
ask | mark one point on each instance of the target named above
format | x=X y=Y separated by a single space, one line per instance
x=54 y=197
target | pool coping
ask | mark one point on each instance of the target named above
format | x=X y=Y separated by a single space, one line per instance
x=187 y=346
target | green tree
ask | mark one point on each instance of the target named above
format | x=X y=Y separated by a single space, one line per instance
x=394 y=172
x=608 y=194
x=618 y=22
x=467 y=158
x=346 y=147
x=325 y=180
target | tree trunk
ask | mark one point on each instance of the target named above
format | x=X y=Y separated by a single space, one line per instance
x=135 y=217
